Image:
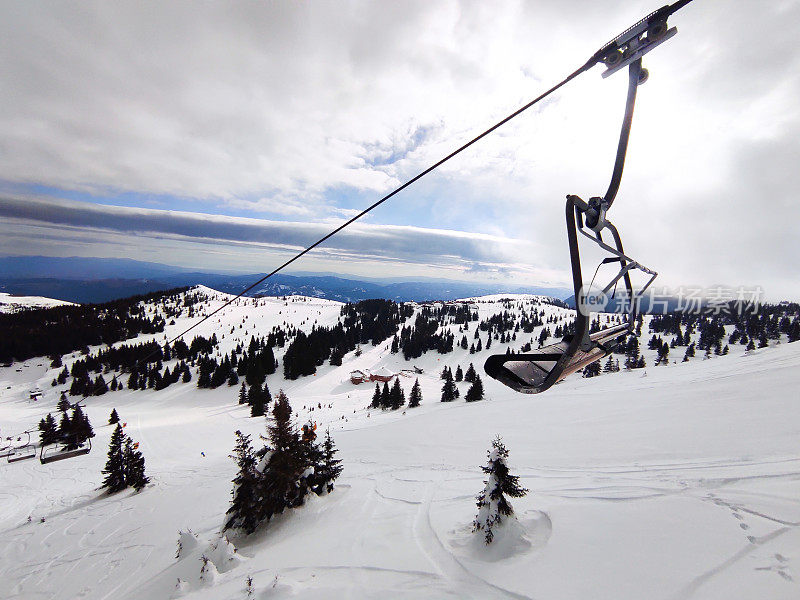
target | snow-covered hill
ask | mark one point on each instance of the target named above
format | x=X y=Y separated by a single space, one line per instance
x=11 y=303
x=674 y=481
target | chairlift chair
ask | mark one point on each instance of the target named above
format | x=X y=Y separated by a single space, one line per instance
x=537 y=371
x=57 y=451
x=5 y=447
x=22 y=451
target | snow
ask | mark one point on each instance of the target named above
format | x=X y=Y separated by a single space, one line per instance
x=384 y=372
x=10 y=303
x=681 y=484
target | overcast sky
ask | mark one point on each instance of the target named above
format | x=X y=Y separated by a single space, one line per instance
x=225 y=135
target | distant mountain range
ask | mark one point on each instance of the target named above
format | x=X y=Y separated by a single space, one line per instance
x=86 y=280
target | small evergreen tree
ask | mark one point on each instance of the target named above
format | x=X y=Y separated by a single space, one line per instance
x=592 y=369
x=475 y=392
x=285 y=465
x=416 y=395
x=115 y=465
x=63 y=404
x=114 y=417
x=396 y=396
x=134 y=466
x=243 y=394
x=469 y=376
x=80 y=428
x=386 y=396
x=100 y=387
x=492 y=504
x=330 y=468
x=256 y=399
x=244 y=509
x=459 y=373
x=64 y=428
x=449 y=389
x=376 y=397
x=48 y=430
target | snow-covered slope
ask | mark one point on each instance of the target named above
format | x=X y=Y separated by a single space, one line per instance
x=678 y=481
x=10 y=303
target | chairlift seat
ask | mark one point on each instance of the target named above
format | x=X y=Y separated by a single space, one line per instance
x=535 y=372
x=22 y=454
x=53 y=453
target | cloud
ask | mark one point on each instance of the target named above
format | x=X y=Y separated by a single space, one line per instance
x=72 y=222
x=311 y=111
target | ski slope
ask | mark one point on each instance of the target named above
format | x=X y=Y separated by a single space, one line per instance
x=11 y=303
x=681 y=483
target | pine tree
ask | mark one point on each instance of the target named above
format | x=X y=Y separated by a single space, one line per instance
x=386 y=396
x=256 y=399
x=396 y=396
x=134 y=466
x=492 y=503
x=115 y=465
x=114 y=417
x=48 y=430
x=449 y=390
x=64 y=428
x=469 y=376
x=592 y=369
x=376 y=397
x=416 y=395
x=80 y=428
x=330 y=467
x=475 y=392
x=63 y=404
x=244 y=509
x=243 y=394
x=99 y=387
x=285 y=465
x=459 y=373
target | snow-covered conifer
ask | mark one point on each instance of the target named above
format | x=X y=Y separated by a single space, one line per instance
x=492 y=504
x=244 y=510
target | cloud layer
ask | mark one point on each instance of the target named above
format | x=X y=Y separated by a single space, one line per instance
x=303 y=113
